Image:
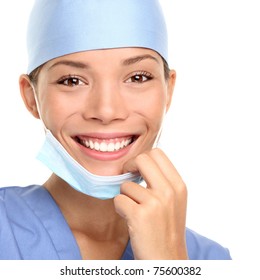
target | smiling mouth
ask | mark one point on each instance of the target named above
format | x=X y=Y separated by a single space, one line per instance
x=105 y=145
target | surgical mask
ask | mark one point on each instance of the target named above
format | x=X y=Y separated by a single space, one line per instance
x=58 y=160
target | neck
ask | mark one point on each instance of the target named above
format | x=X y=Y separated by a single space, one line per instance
x=94 y=217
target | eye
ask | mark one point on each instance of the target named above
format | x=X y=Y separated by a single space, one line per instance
x=139 y=78
x=71 y=81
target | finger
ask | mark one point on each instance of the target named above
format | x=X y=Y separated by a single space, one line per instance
x=134 y=191
x=149 y=170
x=124 y=205
x=176 y=182
x=168 y=169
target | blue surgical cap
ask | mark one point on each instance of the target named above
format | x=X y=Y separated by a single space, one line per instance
x=60 y=27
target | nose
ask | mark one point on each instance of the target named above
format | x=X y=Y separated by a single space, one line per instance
x=106 y=103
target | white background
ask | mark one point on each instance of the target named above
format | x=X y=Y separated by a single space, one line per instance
x=211 y=133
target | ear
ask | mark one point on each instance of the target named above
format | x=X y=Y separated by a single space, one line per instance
x=170 y=88
x=28 y=95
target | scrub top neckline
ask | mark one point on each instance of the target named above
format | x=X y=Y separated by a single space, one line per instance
x=56 y=225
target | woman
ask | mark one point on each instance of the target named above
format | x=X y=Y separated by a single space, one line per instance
x=98 y=79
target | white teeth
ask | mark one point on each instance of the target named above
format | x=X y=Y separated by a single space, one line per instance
x=111 y=147
x=103 y=147
x=96 y=146
x=91 y=144
x=117 y=146
x=106 y=147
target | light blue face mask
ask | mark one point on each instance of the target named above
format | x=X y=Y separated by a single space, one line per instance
x=57 y=159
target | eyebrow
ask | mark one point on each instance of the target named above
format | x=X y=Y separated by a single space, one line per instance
x=81 y=65
x=75 y=64
x=136 y=59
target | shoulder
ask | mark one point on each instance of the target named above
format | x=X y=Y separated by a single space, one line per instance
x=14 y=196
x=33 y=227
x=7 y=194
x=19 y=202
x=15 y=215
x=17 y=190
x=202 y=248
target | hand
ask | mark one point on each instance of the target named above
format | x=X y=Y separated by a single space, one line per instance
x=155 y=215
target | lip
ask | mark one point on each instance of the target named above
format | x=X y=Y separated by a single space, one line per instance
x=105 y=137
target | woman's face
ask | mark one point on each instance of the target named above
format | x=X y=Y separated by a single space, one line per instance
x=105 y=106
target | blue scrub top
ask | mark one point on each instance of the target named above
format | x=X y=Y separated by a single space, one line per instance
x=32 y=227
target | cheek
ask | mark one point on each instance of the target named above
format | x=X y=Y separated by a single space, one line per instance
x=55 y=110
x=153 y=107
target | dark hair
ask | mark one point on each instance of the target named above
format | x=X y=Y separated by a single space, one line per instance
x=166 y=69
x=33 y=76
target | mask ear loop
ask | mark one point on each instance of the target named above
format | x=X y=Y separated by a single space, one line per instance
x=157 y=143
